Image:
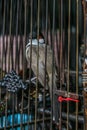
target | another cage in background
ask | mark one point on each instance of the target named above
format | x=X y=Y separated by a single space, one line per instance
x=47 y=90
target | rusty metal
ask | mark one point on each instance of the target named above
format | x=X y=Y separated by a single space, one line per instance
x=31 y=22
x=38 y=24
x=69 y=19
x=67 y=94
x=60 y=57
x=46 y=31
x=77 y=48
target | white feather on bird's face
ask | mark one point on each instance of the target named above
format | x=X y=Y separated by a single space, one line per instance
x=35 y=42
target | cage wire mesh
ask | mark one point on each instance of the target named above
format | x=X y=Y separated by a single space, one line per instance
x=43 y=65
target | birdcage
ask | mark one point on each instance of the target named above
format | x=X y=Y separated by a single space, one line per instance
x=43 y=65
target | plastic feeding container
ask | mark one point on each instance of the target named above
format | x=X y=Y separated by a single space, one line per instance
x=15 y=121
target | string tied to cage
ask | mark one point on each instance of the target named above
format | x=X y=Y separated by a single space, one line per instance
x=61 y=99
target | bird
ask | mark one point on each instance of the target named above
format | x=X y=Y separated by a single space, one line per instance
x=41 y=62
x=34 y=40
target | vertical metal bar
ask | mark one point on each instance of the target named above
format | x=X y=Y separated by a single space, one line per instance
x=4 y=17
x=2 y=53
x=13 y=100
x=20 y=15
x=24 y=62
x=38 y=25
x=16 y=46
x=69 y=3
x=25 y=18
x=77 y=31
x=30 y=63
x=6 y=99
x=61 y=27
x=61 y=39
x=20 y=44
x=9 y=38
x=85 y=41
x=84 y=11
x=6 y=45
x=84 y=63
x=53 y=37
x=8 y=61
x=9 y=52
x=46 y=30
x=0 y=66
x=3 y=44
x=68 y=45
x=17 y=17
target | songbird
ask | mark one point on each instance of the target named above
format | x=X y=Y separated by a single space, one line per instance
x=41 y=60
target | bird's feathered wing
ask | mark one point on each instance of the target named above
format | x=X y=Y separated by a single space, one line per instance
x=41 y=63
